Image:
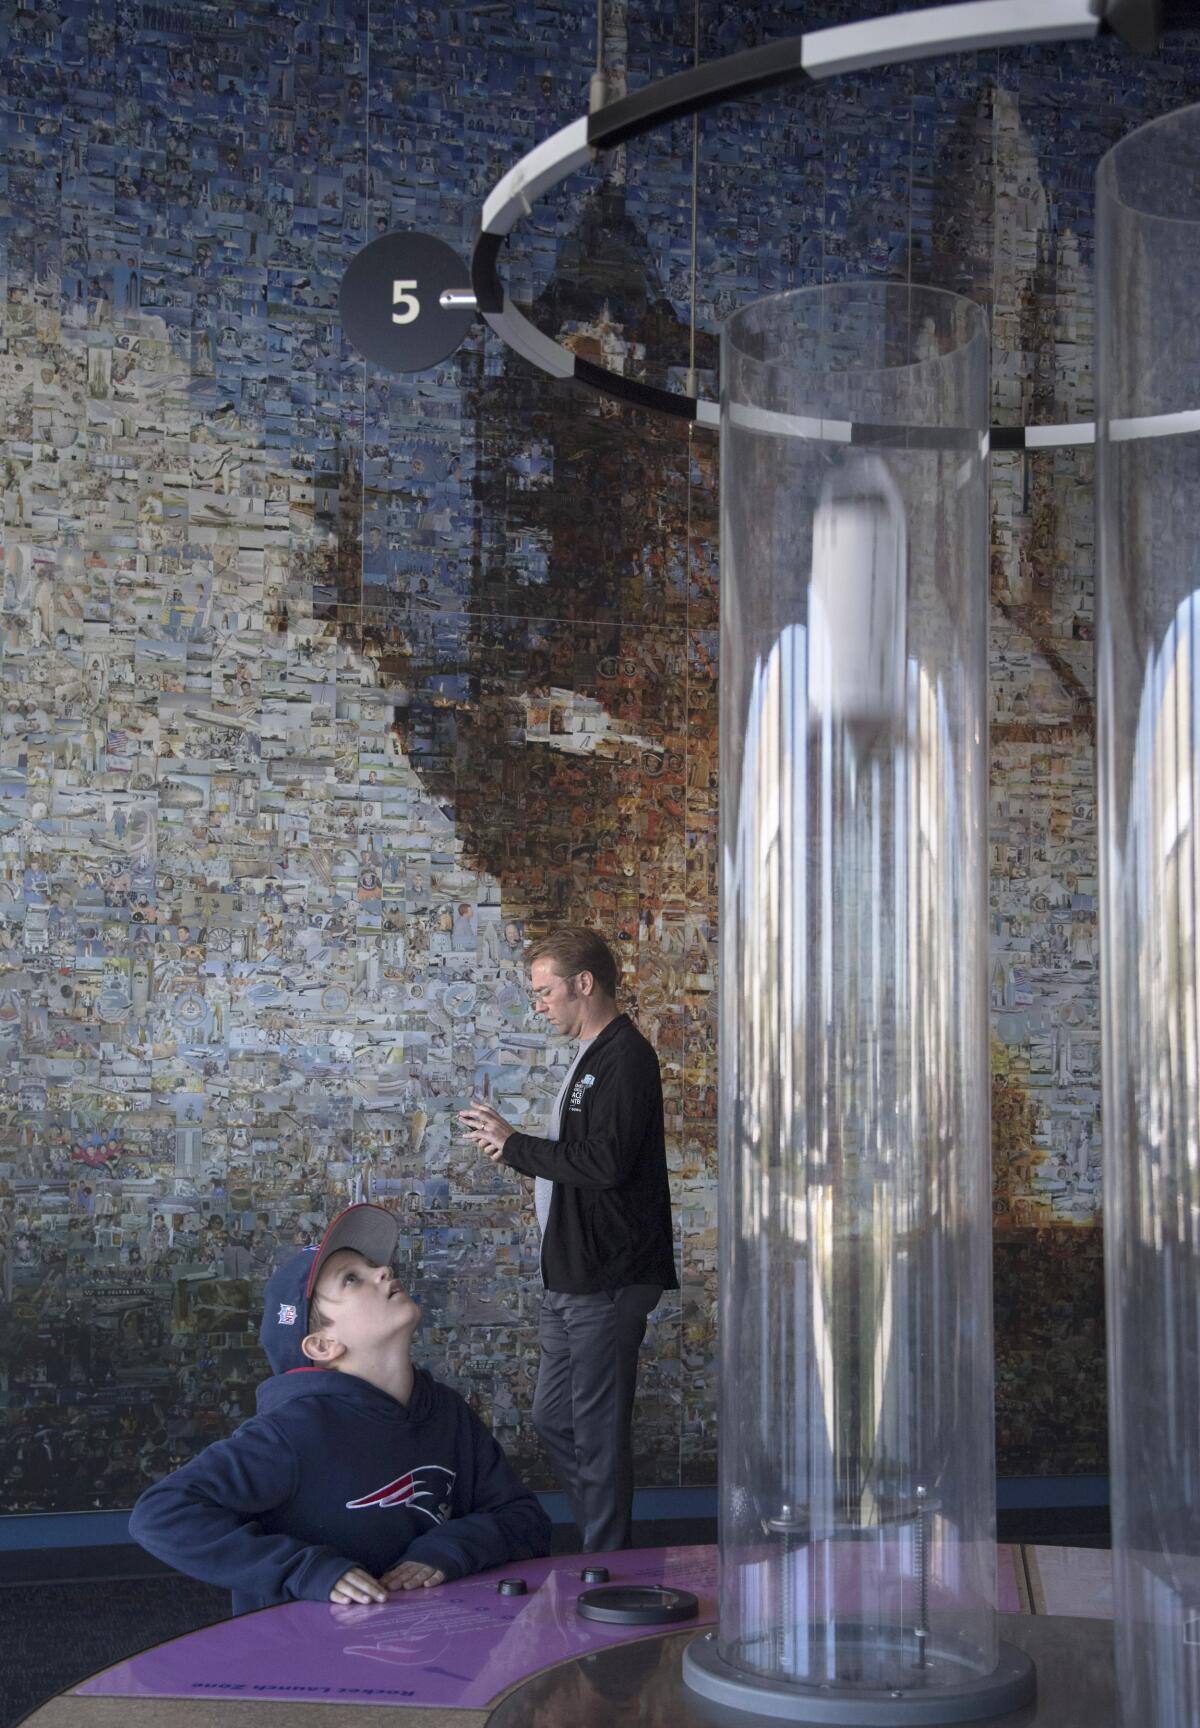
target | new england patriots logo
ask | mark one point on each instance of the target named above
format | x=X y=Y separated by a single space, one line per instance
x=423 y=1483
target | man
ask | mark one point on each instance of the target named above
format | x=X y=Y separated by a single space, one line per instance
x=604 y=1209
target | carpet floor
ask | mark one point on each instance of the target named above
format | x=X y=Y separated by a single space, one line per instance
x=54 y=1635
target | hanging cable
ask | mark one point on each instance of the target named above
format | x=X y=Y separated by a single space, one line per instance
x=690 y=387
x=362 y=497
x=599 y=91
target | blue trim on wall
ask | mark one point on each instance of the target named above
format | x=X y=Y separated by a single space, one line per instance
x=1024 y=1493
x=107 y=1529
x=63 y=1530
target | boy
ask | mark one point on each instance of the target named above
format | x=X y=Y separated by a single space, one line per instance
x=360 y=1473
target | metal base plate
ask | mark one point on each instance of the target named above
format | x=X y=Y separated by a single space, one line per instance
x=637 y=1604
x=642 y=1681
x=1012 y=1685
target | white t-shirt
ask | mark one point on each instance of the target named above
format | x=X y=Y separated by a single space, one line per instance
x=543 y=1187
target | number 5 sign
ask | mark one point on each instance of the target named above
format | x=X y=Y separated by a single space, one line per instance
x=390 y=302
x=402 y=296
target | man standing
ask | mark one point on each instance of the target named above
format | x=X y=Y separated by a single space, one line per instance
x=604 y=1209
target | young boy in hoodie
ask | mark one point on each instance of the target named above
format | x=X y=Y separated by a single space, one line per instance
x=360 y=1474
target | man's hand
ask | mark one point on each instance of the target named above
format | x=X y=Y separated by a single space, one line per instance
x=487 y=1128
x=357 y=1585
x=412 y=1575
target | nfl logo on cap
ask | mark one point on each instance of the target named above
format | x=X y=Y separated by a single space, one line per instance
x=367 y=1230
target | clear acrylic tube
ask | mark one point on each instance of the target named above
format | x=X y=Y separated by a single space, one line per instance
x=857 y=1467
x=1148 y=677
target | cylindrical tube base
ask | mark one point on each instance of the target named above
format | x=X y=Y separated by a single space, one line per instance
x=1011 y=1685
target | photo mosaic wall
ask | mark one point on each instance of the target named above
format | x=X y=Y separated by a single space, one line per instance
x=323 y=689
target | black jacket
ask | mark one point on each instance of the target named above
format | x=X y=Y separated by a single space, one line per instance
x=610 y=1215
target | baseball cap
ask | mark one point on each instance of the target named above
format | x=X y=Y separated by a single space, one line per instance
x=368 y=1230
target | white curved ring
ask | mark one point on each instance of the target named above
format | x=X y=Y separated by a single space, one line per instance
x=965 y=27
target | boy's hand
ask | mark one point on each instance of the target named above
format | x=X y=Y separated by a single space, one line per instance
x=411 y=1575
x=357 y=1585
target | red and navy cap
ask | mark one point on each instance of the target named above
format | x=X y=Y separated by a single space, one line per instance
x=368 y=1230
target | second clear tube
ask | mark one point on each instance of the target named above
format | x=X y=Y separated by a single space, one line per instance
x=857 y=1476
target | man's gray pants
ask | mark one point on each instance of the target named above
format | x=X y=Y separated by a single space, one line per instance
x=583 y=1406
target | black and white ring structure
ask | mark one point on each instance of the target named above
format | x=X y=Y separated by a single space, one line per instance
x=1000 y=438
x=959 y=29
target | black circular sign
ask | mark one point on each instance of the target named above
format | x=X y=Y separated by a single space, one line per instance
x=389 y=301
x=636 y=1604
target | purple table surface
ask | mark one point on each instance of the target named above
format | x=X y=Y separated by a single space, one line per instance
x=458 y=1646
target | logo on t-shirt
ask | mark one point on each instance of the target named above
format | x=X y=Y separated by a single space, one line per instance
x=427 y=1482
x=579 y=1089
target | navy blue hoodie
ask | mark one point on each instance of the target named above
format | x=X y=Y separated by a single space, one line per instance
x=333 y=1473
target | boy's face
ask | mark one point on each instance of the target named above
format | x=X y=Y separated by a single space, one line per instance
x=365 y=1307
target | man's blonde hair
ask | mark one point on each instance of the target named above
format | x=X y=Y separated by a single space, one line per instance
x=574 y=948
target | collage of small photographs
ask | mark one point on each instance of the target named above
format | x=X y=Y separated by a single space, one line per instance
x=324 y=690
